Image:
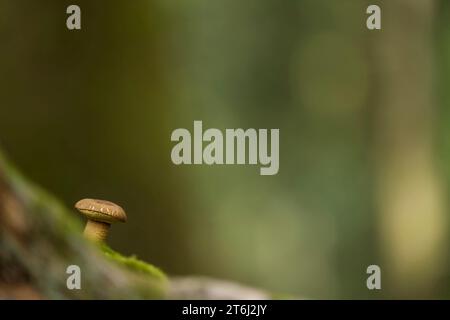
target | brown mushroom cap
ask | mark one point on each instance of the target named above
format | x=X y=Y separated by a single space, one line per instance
x=101 y=210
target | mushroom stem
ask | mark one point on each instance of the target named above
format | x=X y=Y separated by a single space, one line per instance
x=96 y=230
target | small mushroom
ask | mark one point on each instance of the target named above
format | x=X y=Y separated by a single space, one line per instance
x=100 y=214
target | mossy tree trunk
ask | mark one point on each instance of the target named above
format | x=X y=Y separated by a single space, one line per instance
x=39 y=239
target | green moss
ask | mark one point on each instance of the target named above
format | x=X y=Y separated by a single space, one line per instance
x=134 y=264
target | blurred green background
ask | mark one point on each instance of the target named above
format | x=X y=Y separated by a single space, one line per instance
x=364 y=134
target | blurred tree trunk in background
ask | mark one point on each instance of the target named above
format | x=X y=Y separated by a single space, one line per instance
x=409 y=191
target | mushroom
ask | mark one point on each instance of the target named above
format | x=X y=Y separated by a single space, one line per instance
x=100 y=214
